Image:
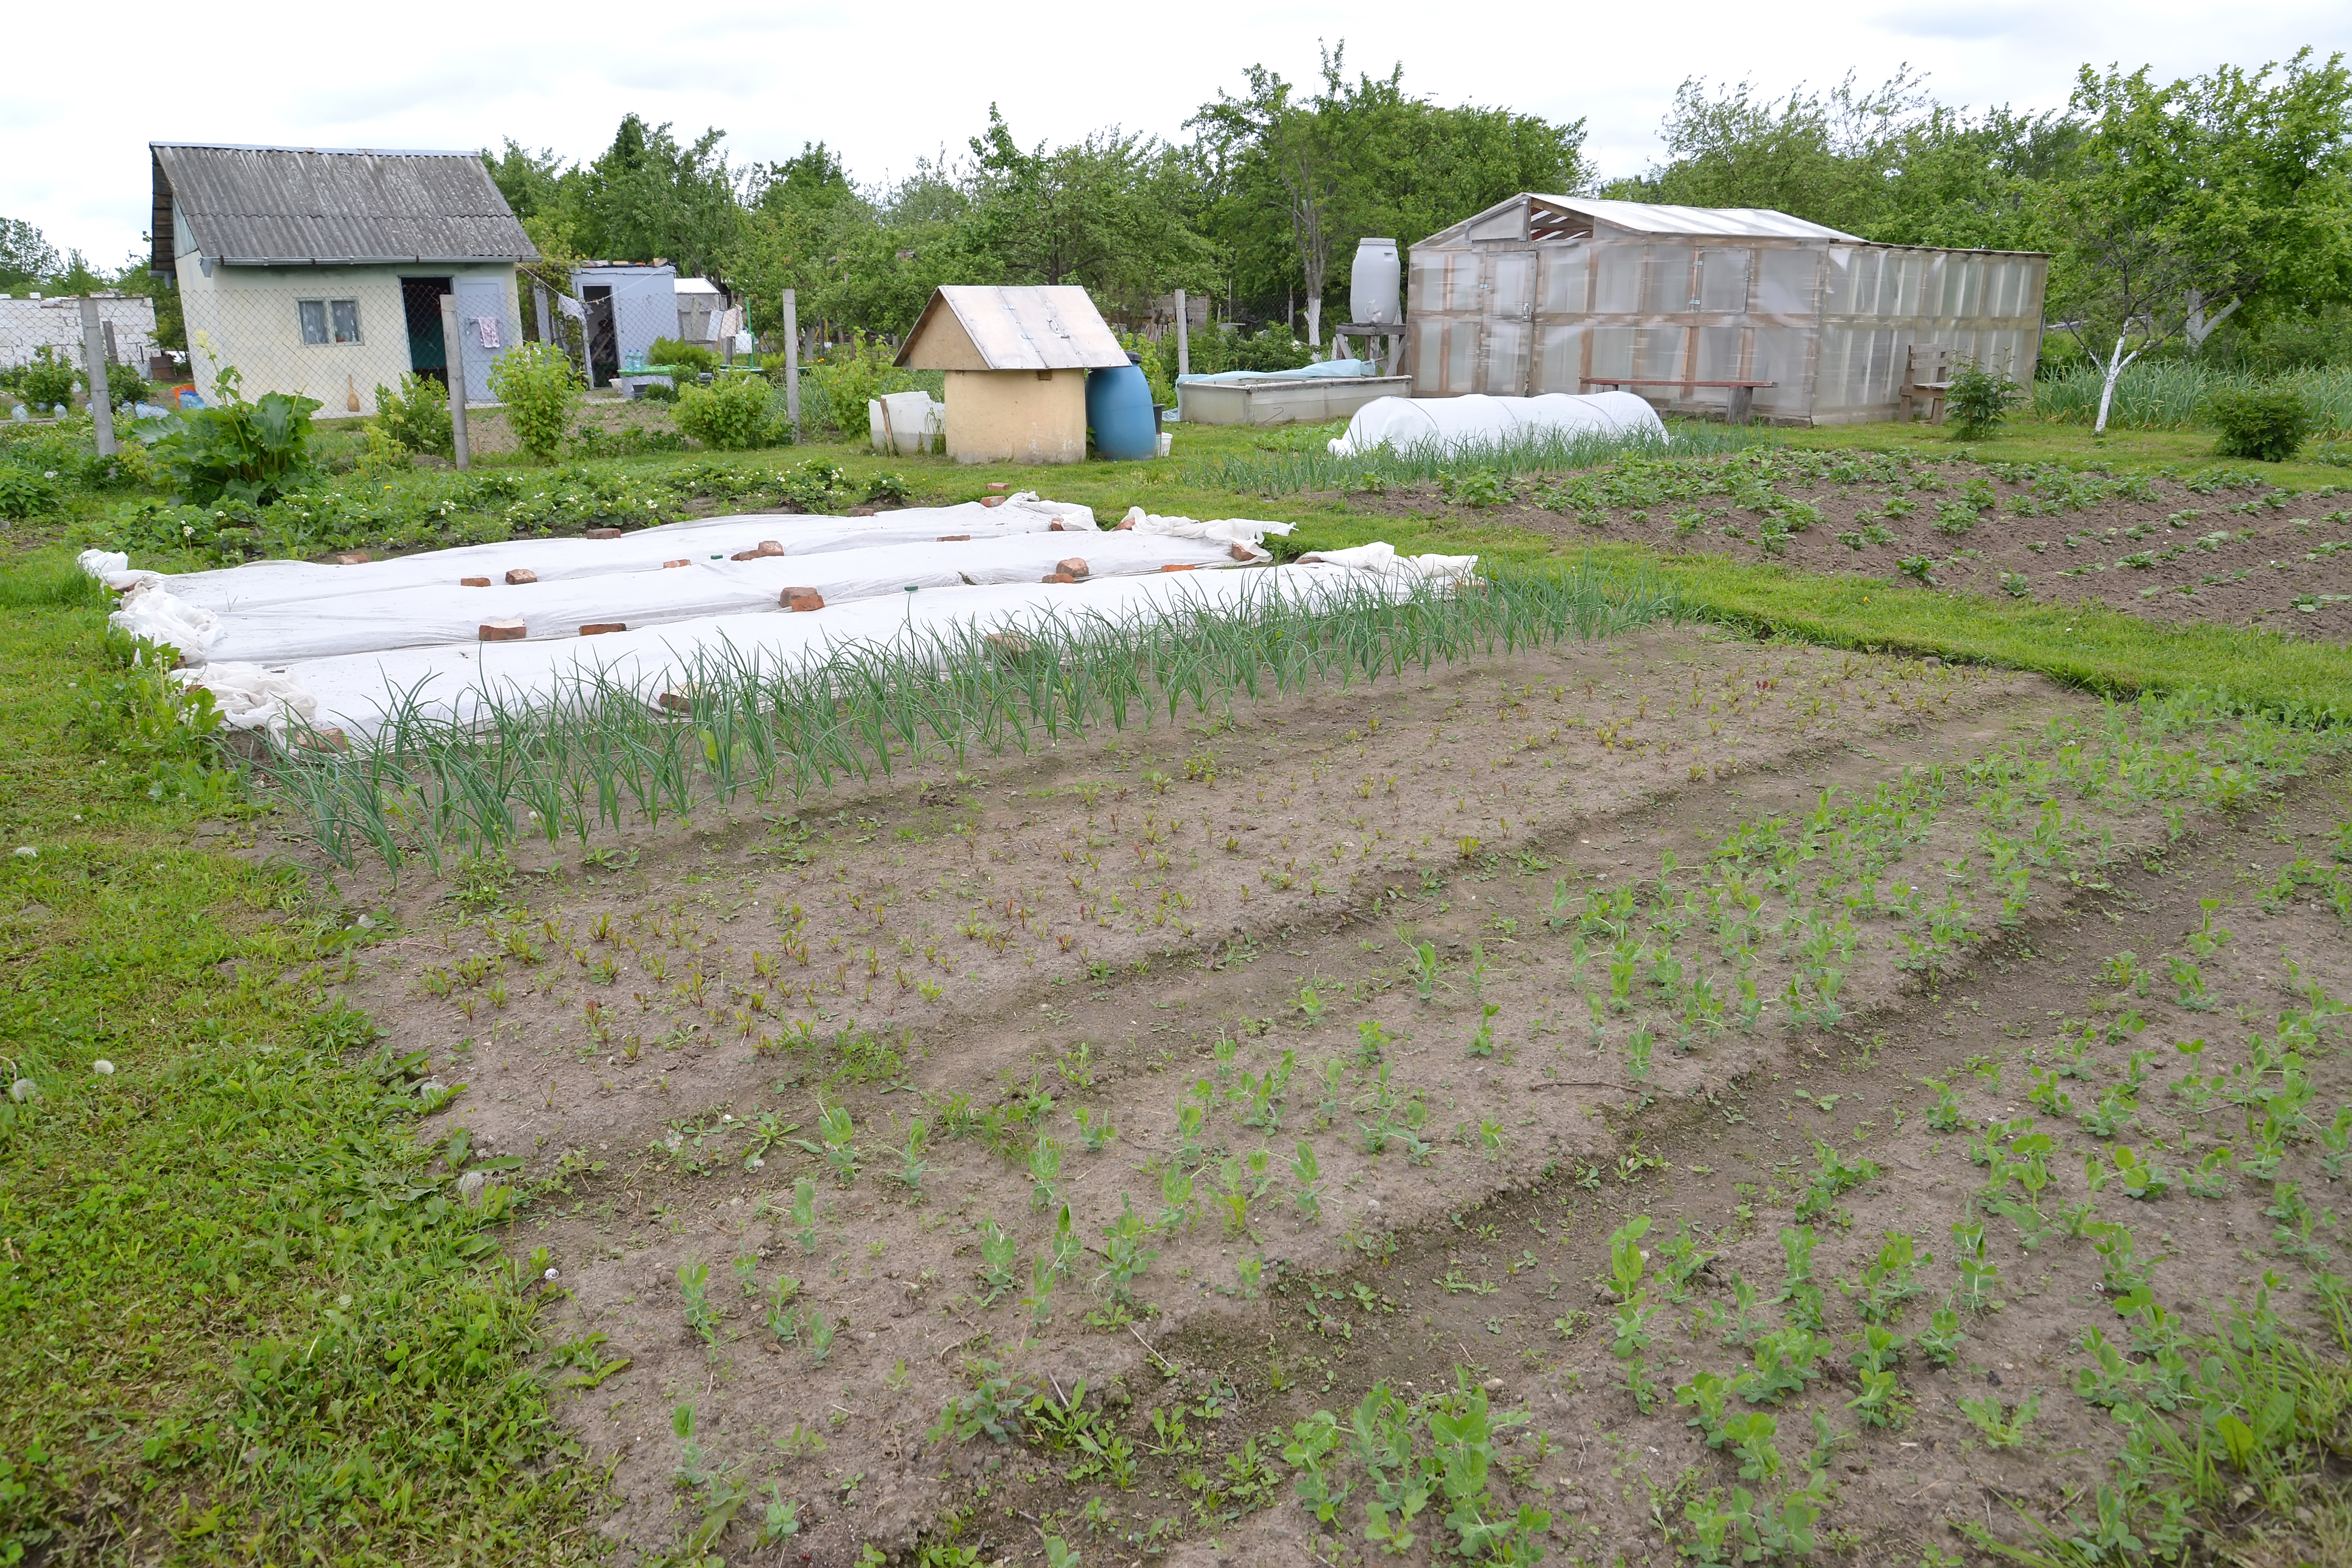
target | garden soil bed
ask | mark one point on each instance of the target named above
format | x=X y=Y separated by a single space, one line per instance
x=2223 y=547
x=1503 y=946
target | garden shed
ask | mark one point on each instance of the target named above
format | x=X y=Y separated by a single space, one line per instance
x=625 y=308
x=1016 y=362
x=1545 y=293
x=321 y=272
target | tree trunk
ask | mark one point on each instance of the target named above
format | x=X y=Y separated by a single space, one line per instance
x=2117 y=363
x=2199 y=326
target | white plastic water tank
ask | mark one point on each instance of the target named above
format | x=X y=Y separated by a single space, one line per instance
x=1373 y=286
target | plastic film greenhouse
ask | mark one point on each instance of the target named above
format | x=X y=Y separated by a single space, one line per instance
x=1707 y=309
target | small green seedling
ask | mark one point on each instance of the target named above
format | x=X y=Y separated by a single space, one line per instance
x=804 y=1212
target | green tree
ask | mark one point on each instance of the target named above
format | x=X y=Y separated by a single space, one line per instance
x=26 y=255
x=2230 y=187
x=1290 y=180
x=1887 y=163
x=1106 y=213
x=648 y=196
x=532 y=183
x=856 y=261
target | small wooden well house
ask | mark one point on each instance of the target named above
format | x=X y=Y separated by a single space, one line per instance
x=1016 y=362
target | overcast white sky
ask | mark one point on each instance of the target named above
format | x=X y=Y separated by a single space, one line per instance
x=888 y=84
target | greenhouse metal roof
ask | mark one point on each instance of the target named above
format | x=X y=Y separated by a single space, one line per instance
x=1535 y=216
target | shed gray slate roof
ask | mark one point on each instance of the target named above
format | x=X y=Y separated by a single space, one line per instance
x=297 y=206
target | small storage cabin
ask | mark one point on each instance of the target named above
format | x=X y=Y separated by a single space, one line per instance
x=1705 y=310
x=322 y=272
x=1016 y=362
x=624 y=307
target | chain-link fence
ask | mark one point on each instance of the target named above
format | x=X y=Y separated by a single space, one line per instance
x=337 y=334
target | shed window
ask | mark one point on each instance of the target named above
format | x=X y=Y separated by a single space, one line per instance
x=329 y=321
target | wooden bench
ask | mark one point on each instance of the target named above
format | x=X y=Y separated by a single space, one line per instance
x=1926 y=376
x=1743 y=393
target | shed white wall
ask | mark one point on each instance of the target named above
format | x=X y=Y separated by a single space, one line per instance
x=246 y=316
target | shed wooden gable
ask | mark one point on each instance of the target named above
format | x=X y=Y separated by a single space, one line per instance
x=1031 y=327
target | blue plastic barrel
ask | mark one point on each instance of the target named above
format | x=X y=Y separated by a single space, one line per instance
x=1118 y=406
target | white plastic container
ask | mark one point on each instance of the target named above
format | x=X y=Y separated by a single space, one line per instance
x=1373 y=286
x=905 y=423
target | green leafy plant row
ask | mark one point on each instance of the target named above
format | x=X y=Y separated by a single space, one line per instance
x=598 y=753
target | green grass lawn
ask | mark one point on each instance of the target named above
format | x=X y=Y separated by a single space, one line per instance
x=250 y=1319
x=248 y=1322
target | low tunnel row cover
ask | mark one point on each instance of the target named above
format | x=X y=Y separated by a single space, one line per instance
x=1456 y=424
x=637 y=550
x=362 y=694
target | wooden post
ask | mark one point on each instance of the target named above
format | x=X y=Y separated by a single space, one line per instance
x=93 y=357
x=454 y=358
x=1183 y=336
x=793 y=361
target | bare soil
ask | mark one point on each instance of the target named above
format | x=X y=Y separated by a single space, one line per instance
x=2237 y=554
x=1397 y=898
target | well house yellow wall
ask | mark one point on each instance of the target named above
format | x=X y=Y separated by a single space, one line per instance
x=1017 y=416
x=1004 y=416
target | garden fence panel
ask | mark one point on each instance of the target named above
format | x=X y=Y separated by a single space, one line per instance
x=338 y=334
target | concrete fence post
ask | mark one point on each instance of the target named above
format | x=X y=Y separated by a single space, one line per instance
x=1183 y=336
x=454 y=357
x=793 y=361
x=93 y=356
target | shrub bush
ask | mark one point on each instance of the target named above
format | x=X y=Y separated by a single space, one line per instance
x=2266 y=425
x=124 y=385
x=47 y=380
x=691 y=357
x=850 y=375
x=250 y=452
x=1980 y=399
x=25 y=492
x=418 y=416
x=657 y=392
x=541 y=389
x=728 y=415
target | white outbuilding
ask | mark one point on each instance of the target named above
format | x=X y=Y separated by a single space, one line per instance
x=320 y=271
x=1016 y=359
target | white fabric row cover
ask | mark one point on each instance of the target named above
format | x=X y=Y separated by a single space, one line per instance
x=1222 y=530
x=470 y=681
x=1381 y=559
x=610 y=603
x=280 y=581
x=1452 y=424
